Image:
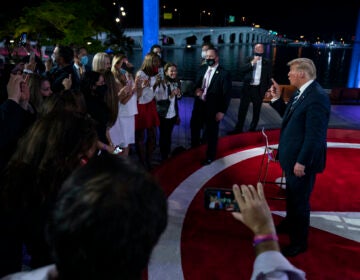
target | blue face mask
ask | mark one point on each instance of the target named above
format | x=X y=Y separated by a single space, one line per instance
x=122 y=71
x=84 y=60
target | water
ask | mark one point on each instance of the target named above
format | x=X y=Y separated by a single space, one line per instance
x=333 y=64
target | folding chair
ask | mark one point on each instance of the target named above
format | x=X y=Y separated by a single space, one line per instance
x=269 y=157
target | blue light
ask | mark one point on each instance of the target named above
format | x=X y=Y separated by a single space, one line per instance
x=354 y=73
x=151 y=24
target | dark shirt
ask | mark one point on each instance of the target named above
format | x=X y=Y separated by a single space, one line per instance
x=98 y=110
x=57 y=75
x=14 y=122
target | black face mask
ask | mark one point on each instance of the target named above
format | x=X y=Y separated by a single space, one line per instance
x=123 y=65
x=210 y=61
x=258 y=54
x=101 y=90
x=129 y=69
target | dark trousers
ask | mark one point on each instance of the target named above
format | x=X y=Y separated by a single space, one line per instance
x=145 y=143
x=10 y=252
x=298 y=191
x=197 y=122
x=250 y=94
x=204 y=128
x=165 y=134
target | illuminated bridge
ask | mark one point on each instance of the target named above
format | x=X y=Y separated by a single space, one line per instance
x=182 y=36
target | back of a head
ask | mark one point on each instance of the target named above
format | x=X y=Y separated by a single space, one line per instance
x=67 y=53
x=88 y=82
x=101 y=61
x=150 y=60
x=68 y=100
x=46 y=155
x=36 y=99
x=108 y=218
x=207 y=45
x=56 y=138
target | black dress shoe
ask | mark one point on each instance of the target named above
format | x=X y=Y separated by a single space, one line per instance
x=293 y=250
x=206 y=162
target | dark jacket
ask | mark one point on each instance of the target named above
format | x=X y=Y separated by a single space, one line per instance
x=246 y=71
x=304 y=130
x=57 y=75
x=218 y=94
x=14 y=122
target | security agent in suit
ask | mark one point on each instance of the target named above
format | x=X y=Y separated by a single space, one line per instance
x=212 y=98
x=302 y=148
x=256 y=73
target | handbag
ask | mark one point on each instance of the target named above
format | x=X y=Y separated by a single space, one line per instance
x=162 y=107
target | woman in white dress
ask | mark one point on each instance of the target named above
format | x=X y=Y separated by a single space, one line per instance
x=122 y=133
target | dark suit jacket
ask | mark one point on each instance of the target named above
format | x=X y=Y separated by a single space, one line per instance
x=218 y=93
x=77 y=77
x=14 y=122
x=246 y=71
x=57 y=75
x=304 y=130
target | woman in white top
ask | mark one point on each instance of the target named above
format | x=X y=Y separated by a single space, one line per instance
x=149 y=83
x=168 y=110
x=122 y=133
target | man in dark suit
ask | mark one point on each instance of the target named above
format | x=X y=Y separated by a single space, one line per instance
x=64 y=57
x=302 y=147
x=256 y=73
x=212 y=97
x=81 y=63
x=16 y=116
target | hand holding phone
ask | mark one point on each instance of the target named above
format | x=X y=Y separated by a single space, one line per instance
x=161 y=73
x=117 y=150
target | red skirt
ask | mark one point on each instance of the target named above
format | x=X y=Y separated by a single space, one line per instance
x=147 y=116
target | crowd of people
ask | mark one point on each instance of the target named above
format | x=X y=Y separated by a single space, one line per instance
x=56 y=117
x=62 y=121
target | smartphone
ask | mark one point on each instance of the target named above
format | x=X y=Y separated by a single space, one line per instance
x=220 y=199
x=23 y=39
x=117 y=150
x=161 y=73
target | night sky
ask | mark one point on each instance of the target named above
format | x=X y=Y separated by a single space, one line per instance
x=309 y=18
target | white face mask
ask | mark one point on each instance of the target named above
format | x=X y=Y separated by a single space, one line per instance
x=203 y=54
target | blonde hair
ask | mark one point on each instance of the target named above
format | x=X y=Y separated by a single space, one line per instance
x=120 y=78
x=99 y=61
x=306 y=65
